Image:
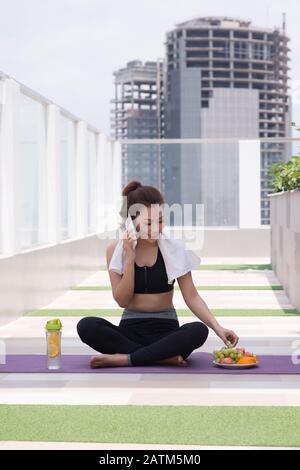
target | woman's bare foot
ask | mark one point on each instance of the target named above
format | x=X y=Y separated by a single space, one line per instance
x=109 y=360
x=174 y=361
x=117 y=360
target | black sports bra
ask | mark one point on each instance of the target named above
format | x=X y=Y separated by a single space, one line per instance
x=152 y=279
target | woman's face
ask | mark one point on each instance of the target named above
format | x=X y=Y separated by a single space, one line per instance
x=150 y=222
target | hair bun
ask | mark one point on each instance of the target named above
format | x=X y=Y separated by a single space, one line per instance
x=131 y=186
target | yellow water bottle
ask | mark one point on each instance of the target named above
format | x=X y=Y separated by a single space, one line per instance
x=53 y=337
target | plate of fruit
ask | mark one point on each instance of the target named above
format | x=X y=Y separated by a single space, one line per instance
x=235 y=358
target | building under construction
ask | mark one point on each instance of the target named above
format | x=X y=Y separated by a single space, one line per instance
x=138 y=113
x=225 y=79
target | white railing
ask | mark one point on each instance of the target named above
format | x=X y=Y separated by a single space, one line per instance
x=228 y=177
x=56 y=172
x=59 y=175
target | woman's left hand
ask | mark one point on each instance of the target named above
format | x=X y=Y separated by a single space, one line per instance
x=227 y=335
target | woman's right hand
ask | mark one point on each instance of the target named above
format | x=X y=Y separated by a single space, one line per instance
x=128 y=245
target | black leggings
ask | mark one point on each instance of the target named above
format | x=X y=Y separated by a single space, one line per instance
x=144 y=340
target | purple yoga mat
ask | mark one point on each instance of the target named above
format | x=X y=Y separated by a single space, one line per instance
x=198 y=363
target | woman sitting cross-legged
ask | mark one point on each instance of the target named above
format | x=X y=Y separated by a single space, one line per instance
x=148 y=332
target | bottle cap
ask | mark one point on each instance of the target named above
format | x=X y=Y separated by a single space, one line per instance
x=54 y=325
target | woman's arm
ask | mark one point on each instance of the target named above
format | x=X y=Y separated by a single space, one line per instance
x=197 y=305
x=122 y=285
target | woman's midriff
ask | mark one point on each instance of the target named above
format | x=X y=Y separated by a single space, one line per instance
x=152 y=302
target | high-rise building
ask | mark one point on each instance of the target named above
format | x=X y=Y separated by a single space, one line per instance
x=224 y=79
x=138 y=113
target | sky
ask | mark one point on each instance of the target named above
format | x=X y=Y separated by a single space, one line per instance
x=67 y=50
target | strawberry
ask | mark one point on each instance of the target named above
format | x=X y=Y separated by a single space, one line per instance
x=226 y=360
x=248 y=354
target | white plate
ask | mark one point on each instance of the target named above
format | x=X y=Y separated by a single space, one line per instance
x=236 y=366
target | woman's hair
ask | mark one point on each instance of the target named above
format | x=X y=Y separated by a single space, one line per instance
x=135 y=193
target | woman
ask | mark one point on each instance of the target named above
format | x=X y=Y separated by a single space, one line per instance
x=148 y=332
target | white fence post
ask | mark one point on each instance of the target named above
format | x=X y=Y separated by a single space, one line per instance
x=9 y=147
x=52 y=155
x=249 y=184
x=117 y=180
x=81 y=187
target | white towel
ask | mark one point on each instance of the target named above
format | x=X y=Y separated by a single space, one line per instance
x=178 y=259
